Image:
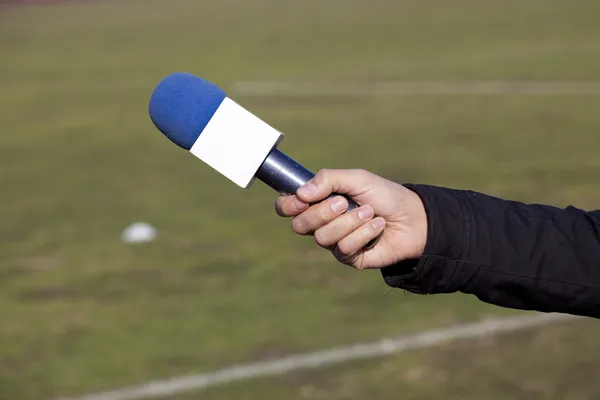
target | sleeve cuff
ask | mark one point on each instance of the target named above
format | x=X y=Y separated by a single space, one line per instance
x=440 y=267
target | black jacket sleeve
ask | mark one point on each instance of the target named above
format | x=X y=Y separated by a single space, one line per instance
x=507 y=253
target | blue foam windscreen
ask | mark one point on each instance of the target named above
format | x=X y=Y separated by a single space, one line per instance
x=181 y=106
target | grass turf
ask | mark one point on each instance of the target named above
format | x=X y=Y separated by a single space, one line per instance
x=227 y=281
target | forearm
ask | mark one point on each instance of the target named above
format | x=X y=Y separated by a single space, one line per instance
x=506 y=253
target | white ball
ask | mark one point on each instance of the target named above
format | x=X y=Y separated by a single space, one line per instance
x=140 y=232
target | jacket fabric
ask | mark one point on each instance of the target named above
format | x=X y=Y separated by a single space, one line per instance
x=506 y=253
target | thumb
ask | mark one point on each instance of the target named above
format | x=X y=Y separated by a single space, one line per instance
x=352 y=182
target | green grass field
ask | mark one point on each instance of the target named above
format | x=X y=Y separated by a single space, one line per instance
x=227 y=281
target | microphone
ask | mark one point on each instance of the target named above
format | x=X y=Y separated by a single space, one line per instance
x=198 y=116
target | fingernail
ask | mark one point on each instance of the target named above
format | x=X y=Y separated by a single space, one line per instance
x=308 y=190
x=338 y=205
x=378 y=223
x=365 y=213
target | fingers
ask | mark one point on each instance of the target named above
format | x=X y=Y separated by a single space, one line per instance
x=352 y=182
x=331 y=233
x=319 y=215
x=353 y=244
x=289 y=206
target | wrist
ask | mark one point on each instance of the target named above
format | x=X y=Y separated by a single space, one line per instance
x=447 y=242
x=418 y=225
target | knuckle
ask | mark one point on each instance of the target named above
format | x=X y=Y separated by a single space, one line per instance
x=321 y=177
x=361 y=173
x=321 y=238
x=279 y=207
x=289 y=206
x=298 y=226
x=324 y=214
x=344 y=249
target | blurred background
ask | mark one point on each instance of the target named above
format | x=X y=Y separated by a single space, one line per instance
x=496 y=96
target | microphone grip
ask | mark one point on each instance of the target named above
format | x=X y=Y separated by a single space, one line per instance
x=286 y=176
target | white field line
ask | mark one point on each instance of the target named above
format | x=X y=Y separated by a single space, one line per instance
x=326 y=357
x=412 y=88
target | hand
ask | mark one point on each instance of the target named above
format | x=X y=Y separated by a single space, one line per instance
x=387 y=208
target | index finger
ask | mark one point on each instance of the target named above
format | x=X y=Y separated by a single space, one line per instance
x=290 y=206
